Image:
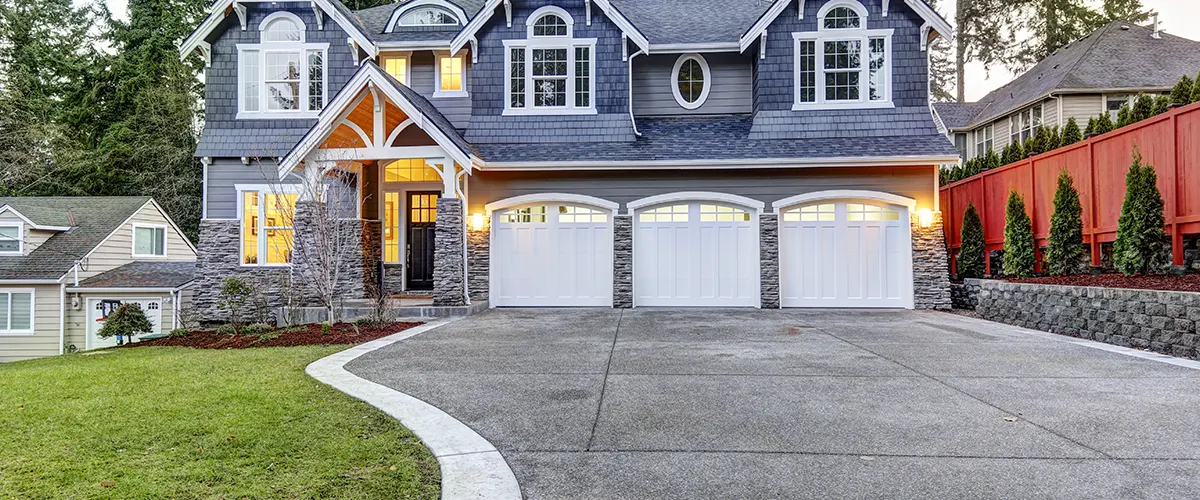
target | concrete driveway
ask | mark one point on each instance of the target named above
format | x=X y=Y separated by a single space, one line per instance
x=644 y=403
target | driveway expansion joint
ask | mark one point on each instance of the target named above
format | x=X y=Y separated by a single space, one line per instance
x=604 y=382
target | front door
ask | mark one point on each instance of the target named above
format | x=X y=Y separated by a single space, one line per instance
x=422 y=214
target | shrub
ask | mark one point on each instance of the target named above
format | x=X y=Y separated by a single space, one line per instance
x=179 y=332
x=1071 y=133
x=1017 y=153
x=1182 y=93
x=1140 y=232
x=235 y=295
x=126 y=322
x=1124 y=117
x=1162 y=104
x=992 y=160
x=1196 y=89
x=1052 y=138
x=1143 y=108
x=1019 y=256
x=1035 y=144
x=1091 y=126
x=970 y=255
x=325 y=328
x=257 y=329
x=1065 y=252
x=227 y=329
x=1104 y=124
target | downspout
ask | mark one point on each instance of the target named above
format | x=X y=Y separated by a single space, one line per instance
x=62 y=318
x=631 y=119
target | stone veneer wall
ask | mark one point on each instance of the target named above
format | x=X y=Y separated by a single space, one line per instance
x=965 y=295
x=931 y=269
x=768 y=248
x=1161 y=321
x=353 y=237
x=449 y=287
x=219 y=257
x=623 y=261
x=479 y=258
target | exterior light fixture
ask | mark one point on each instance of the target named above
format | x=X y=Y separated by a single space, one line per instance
x=477 y=222
x=925 y=216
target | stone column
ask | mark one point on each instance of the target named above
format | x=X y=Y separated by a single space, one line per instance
x=320 y=235
x=479 y=247
x=931 y=267
x=449 y=288
x=768 y=249
x=623 y=261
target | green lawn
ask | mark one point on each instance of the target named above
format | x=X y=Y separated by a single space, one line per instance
x=168 y=422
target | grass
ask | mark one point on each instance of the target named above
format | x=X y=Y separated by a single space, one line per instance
x=168 y=422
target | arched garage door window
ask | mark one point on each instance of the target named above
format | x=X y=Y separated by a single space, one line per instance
x=551 y=254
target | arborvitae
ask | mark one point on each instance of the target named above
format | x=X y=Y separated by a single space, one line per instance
x=970 y=255
x=1071 y=133
x=1182 y=93
x=956 y=173
x=1162 y=104
x=1018 y=152
x=992 y=160
x=1065 y=251
x=1019 y=256
x=1125 y=116
x=1091 y=126
x=1033 y=145
x=1052 y=139
x=1140 y=235
x=1196 y=89
x=1104 y=123
x=972 y=167
x=1143 y=108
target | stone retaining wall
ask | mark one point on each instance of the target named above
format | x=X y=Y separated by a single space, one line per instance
x=1161 y=321
x=965 y=295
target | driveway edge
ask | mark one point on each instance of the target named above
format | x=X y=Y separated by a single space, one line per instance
x=471 y=467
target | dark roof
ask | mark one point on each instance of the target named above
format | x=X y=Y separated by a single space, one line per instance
x=91 y=218
x=959 y=114
x=1121 y=55
x=374 y=22
x=143 y=275
x=716 y=138
x=674 y=21
x=426 y=108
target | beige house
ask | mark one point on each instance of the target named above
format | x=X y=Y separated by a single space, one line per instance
x=66 y=262
x=1094 y=75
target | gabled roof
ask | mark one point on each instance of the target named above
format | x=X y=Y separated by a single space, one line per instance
x=673 y=22
x=423 y=114
x=956 y=115
x=91 y=220
x=934 y=20
x=221 y=9
x=144 y=275
x=613 y=13
x=1119 y=57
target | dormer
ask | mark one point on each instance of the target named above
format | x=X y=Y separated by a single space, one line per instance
x=426 y=14
x=20 y=235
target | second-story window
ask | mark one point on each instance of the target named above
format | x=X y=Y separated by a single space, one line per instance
x=451 y=76
x=1024 y=124
x=282 y=76
x=843 y=64
x=550 y=71
x=985 y=140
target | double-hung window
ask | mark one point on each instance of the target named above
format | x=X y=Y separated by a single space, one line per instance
x=984 y=140
x=267 y=215
x=149 y=241
x=11 y=239
x=282 y=76
x=1024 y=124
x=450 y=76
x=843 y=64
x=550 y=71
x=16 y=311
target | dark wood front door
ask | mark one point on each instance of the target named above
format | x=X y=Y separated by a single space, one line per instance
x=421 y=216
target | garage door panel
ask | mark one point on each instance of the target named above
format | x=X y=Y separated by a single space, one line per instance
x=561 y=257
x=696 y=255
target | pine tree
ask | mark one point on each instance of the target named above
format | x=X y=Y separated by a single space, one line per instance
x=1140 y=235
x=1091 y=126
x=1019 y=256
x=970 y=262
x=1054 y=23
x=1182 y=92
x=942 y=75
x=1125 y=10
x=985 y=33
x=1065 y=251
x=1196 y=89
x=1071 y=133
x=127 y=322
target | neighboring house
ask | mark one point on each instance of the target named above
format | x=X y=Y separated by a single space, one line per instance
x=610 y=153
x=1094 y=75
x=66 y=262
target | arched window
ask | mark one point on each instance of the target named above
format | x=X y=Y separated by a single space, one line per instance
x=550 y=25
x=428 y=16
x=841 y=18
x=691 y=81
x=550 y=72
x=281 y=76
x=842 y=63
x=282 y=27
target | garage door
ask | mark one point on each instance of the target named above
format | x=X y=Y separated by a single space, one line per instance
x=845 y=254
x=696 y=254
x=551 y=255
x=99 y=309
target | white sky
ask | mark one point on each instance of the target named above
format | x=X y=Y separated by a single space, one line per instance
x=1179 y=17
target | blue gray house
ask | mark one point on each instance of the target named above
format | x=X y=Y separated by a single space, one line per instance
x=604 y=153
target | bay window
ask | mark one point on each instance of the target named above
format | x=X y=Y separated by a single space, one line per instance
x=267 y=217
x=281 y=76
x=550 y=71
x=843 y=64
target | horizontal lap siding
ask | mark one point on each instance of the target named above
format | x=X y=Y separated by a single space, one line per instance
x=77 y=322
x=1082 y=108
x=118 y=249
x=225 y=174
x=44 y=341
x=766 y=185
x=422 y=79
x=731 y=89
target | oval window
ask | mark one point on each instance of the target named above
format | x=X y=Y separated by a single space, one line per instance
x=691 y=81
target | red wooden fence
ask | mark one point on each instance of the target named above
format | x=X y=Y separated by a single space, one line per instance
x=1170 y=142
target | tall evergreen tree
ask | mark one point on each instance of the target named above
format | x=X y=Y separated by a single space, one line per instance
x=1182 y=92
x=1125 y=10
x=970 y=262
x=1104 y=123
x=985 y=33
x=1065 y=250
x=1054 y=24
x=1019 y=255
x=1091 y=126
x=942 y=74
x=1140 y=235
x=1071 y=133
x=1196 y=89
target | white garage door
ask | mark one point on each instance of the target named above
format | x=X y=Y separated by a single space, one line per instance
x=845 y=254
x=696 y=254
x=99 y=309
x=551 y=255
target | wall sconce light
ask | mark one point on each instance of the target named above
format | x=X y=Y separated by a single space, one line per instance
x=925 y=216
x=477 y=222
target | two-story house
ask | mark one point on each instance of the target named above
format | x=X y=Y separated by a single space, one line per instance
x=612 y=153
x=1097 y=74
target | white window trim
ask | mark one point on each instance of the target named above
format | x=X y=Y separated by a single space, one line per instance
x=262 y=26
x=262 y=190
x=133 y=241
x=454 y=10
x=857 y=7
x=549 y=42
x=406 y=56
x=864 y=92
x=707 y=73
x=1018 y=120
x=550 y=9
x=981 y=151
x=32 y=312
x=20 y=225
x=437 y=76
x=263 y=48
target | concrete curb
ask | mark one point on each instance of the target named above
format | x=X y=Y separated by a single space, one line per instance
x=471 y=467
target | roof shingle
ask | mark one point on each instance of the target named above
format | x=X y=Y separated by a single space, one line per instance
x=91 y=218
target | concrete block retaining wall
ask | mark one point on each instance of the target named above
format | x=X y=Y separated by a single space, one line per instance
x=1161 y=321
x=965 y=295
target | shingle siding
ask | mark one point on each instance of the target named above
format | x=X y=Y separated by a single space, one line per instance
x=422 y=79
x=225 y=174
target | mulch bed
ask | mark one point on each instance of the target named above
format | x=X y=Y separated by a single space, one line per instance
x=1184 y=283
x=339 y=334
